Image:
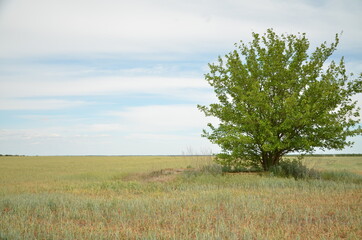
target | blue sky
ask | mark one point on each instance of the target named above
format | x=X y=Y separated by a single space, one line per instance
x=124 y=77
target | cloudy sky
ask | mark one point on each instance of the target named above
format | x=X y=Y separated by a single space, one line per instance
x=124 y=76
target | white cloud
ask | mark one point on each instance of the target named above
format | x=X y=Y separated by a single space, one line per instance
x=163 y=118
x=138 y=130
x=34 y=104
x=159 y=137
x=105 y=127
x=51 y=92
x=83 y=26
x=44 y=43
x=178 y=119
x=97 y=86
x=53 y=27
x=25 y=95
x=29 y=134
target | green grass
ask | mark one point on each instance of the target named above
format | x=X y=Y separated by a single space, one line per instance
x=130 y=198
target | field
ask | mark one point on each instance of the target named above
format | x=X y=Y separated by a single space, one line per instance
x=160 y=198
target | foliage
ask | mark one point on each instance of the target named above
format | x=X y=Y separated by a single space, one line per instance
x=275 y=98
x=298 y=170
x=294 y=168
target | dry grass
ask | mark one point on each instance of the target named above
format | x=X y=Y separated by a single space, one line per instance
x=132 y=198
x=163 y=175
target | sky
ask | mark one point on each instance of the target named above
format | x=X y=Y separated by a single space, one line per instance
x=123 y=77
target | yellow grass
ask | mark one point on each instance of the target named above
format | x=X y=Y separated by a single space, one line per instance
x=129 y=198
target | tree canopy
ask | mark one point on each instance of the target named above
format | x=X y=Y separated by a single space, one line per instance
x=276 y=97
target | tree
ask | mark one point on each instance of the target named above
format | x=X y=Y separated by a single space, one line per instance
x=275 y=97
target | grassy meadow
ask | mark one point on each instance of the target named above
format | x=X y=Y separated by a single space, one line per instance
x=159 y=197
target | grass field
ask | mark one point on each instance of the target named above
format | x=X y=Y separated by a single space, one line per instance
x=131 y=198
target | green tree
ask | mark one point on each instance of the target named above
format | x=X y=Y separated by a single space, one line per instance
x=275 y=97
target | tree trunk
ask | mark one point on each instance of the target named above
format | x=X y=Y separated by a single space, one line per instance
x=269 y=159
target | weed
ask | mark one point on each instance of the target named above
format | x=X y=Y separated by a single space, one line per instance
x=211 y=169
x=342 y=176
x=293 y=168
x=89 y=198
x=239 y=169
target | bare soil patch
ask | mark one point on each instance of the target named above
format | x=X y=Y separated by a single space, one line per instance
x=163 y=175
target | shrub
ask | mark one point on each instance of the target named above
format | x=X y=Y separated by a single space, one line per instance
x=213 y=169
x=210 y=169
x=343 y=176
x=293 y=168
x=233 y=169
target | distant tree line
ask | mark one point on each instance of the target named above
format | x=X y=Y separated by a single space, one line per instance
x=11 y=155
x=337 y=155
